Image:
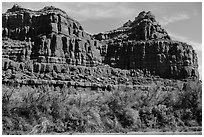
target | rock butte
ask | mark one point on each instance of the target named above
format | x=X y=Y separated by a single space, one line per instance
x=144 y=44
x=52 y=45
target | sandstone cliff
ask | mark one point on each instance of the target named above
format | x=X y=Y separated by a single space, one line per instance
x=53 y=36
x=144 y=44
x=49 y=37
x=55 y=77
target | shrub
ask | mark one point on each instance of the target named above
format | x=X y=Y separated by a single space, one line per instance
x=159 y=106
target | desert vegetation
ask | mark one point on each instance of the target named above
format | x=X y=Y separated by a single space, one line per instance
x=162 y=107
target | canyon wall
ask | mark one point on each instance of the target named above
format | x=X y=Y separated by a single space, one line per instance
x=49 y=37
x=144 y=44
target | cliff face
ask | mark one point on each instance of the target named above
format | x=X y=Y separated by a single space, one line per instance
x=52 y=35
x=170 y=59
x=49 y=37
x=55 y=77
x=144 y=44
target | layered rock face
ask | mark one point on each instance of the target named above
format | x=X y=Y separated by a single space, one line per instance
x=48 y=41
x=53 y=36
x=144 y=44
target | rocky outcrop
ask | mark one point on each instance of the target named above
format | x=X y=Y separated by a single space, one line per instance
x=49 y=39
x=144 y=27
x=16 y=50
x=170 y=59
x=36 y=74
x=98 y=78
x=144 y=44
x=55 y=37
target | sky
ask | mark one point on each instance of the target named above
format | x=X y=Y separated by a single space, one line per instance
x=182 y=20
